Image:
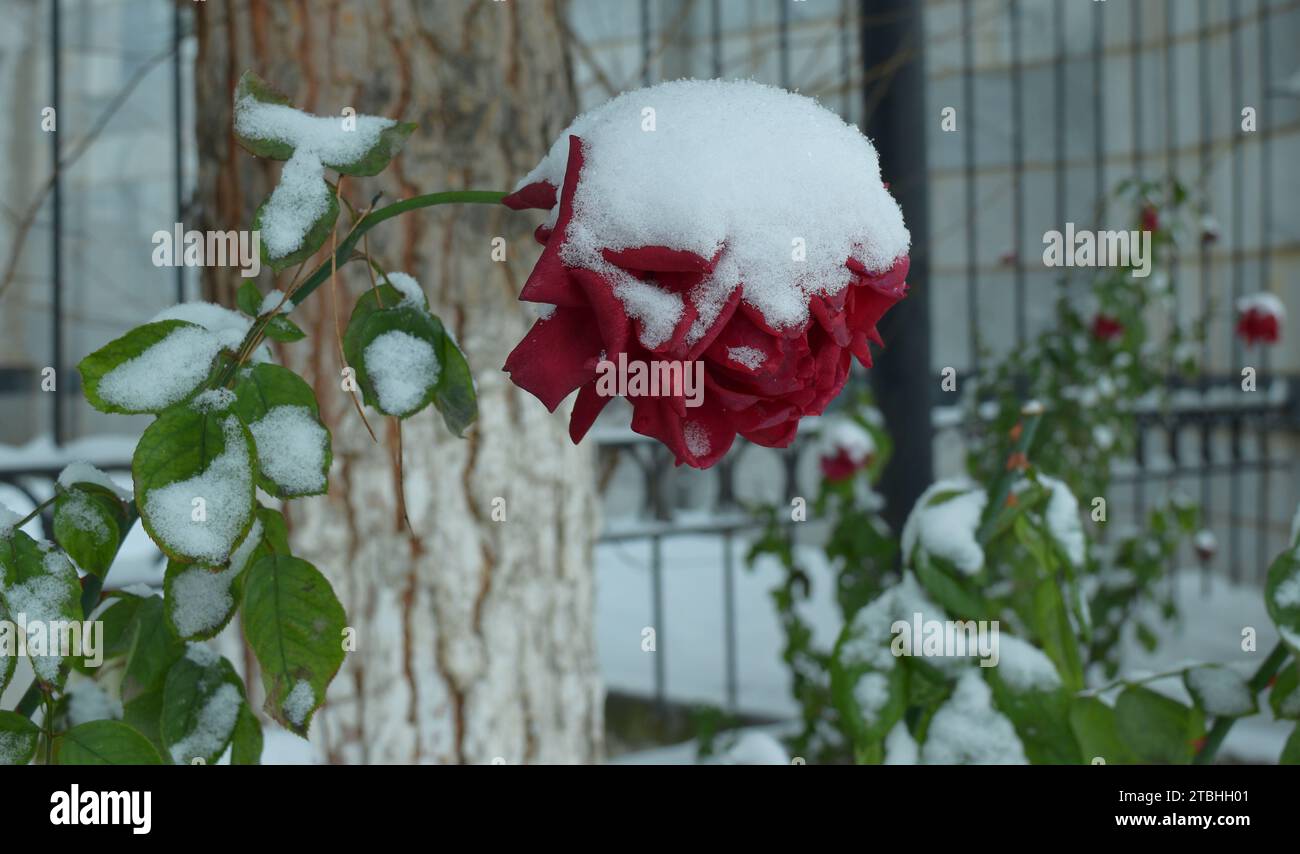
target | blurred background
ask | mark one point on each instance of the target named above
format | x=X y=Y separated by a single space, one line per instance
x=1056 y=104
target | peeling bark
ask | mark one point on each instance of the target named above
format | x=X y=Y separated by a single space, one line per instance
x=475 y=637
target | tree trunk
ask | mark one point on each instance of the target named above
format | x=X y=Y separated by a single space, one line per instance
x=474 y=636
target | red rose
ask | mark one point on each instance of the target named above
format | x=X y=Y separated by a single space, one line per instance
x=1150 y=218
x=759 y=380
x=840 y=465
x=1259 y=319
x=1105 y=327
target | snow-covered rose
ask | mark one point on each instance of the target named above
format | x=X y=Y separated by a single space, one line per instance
x=844 y=449
x=1259 y=318
x=726 y=222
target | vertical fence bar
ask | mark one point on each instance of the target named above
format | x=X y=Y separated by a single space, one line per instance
x=1237 y=259
x=1202 y=56
x=646 y=51
x=1059 y=123
x=178 y=167
x=1135 y=24
x=657 y=614
x=783 y=41
x=846 y=63
x=1017 y=170
x=896 y=121
x=972 y=213
x=715 y=37
x=56 y=224
x=729 y=617
x=1099 y=109
x=1262 y=551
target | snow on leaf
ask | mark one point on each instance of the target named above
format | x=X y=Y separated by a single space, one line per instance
x=38 y=584
x=200 y=600
x=150 y=368
x=968 y=730
x=201 y=702
x=293 y=446
x=194 y=478
x=1220 y=691
x=944 y=523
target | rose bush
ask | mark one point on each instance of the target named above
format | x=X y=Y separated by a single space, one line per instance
x=760 y=380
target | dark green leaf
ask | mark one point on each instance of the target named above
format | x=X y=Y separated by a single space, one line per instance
x=1157 y=728
x=90 y=523
x=285 y=469
x=1284 y=697
x=153 y=650
x=104 y=743
x=1282 y=596
x=281 y=328
x=294 y=624
x=249 y=298
x=317 y=233
x=202 y=699
x=246 y=746
x=194 y=483
x=18 y=739
x=39 y=584
x=130 y=346
x=1291 y=750
x=1096 y=729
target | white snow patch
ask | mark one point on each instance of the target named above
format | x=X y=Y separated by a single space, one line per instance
x=755 y=747
x=297 y=202
x=291 y=449
x=403 y=368
x=83 y=472
x=1222 y=691
x=1062 y=515
x=900 y=747
x=88 y=701
x=275 y=300
x=1287 y=594
x=409 y=288
x=215 y=724
x=164 y=373
x=734 y=166
x=840 y=433
x=224 y=487
x=299 y=703
x=47 y=598
x=1024 y=667
x=1262 y=302
x=81 y=510
x=201 y=597
x=323 y=135
x=213 y=400
x=8 y=519
x=947 y=530
x=967 y=730
x=697 y=438
x=751 y=357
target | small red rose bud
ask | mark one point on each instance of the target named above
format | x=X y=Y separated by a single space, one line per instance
x=1106 y=327
x=1205 y=544
x=1150 y=218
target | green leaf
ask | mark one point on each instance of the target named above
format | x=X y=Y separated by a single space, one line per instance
x=201 y=600
x=452 y=393
x=314 y=238
x=956 y=595
x=153 y=650
x=1284 y=697
x=18 y=739
x=1291 y=750
x=104 y=743
x=130 y=346
x=1095 y=726
x=1156 y=728
x=202 y=699
x=144 y=714
x=194 y=483
x=371 y=162
x=249 y=298
x=1056 y=634
x=281 y=328
x=1041 y=719
x=90 y=523
x=1282 y=596
x=252 y=86
x=294 y=624
x=39 y=584
x=285 y=469
x=246 y=746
